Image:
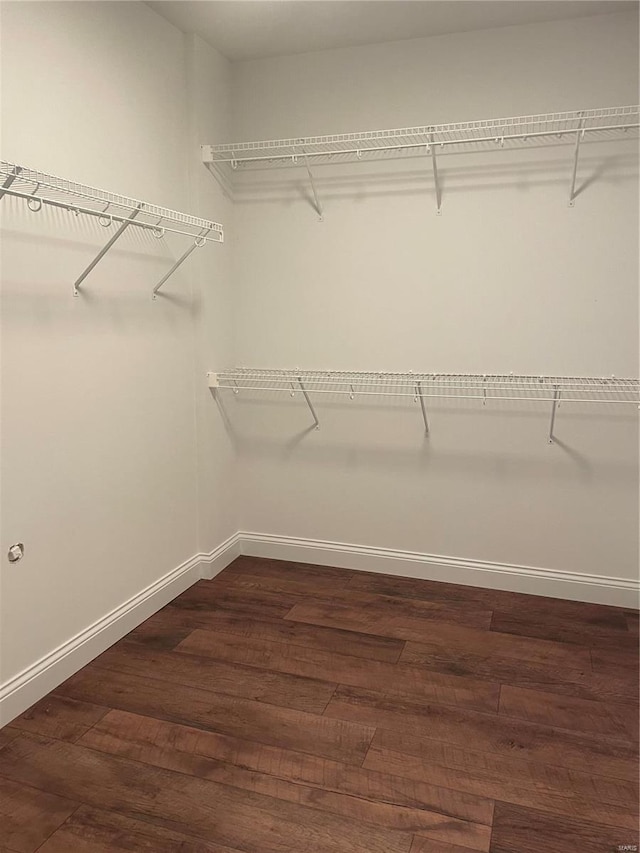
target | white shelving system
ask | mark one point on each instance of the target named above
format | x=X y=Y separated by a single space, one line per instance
x=610 y=391
x=428 y=140
x=112 y=210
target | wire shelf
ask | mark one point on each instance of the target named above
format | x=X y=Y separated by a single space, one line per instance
x=427 y=385
x=39 y=188
x=607 y=122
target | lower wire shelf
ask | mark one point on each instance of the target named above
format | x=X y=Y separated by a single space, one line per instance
x=421 y=387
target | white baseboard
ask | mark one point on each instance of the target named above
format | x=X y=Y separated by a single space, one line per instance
x=34 y=682
x=575 y=586
x=215 y=561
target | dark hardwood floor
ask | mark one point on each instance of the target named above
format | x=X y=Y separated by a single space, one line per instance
x=288 y=708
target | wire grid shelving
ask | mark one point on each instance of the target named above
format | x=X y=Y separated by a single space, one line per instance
x=460 y=385
x=603 y=123
x=114 y=211
x=425 y=386
x=39 y=188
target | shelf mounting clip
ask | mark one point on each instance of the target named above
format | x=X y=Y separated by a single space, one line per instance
x=576 y=152
x=123 y=227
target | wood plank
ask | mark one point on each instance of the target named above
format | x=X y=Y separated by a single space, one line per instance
x=366 y=646
x=284 y=570
x=528 y=831
x=134 y=736
x=309 y=580
x=159 y=633
x=441 y=633
x=59 y=717
x=213 y=812
x=610 y=814
x=567 y=712
x=426 y=845
x=498 y=775
x=275 y=688
x=493 y=599
x=633 y=622
x=426 y=590
x=621 y=661
x=298 y=730
x=365 y=612
x=27 y=816
x=207 y=596
x=608 y=629
x=484 y=732
x=92 y=830
x=550 y=677
x=551 y=796
x=385 y=623
x=7 y=734
x=138 y=740
x=476 y=615
x=398 y=679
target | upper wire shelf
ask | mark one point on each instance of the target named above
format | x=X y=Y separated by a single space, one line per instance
x=112 y=209
x=548 y=128
x=35 y=186
x=424 y=386
x=344 y=147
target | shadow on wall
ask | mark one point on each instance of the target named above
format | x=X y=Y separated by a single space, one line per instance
x=334 y=181
x=41 y=286
x=404 y=449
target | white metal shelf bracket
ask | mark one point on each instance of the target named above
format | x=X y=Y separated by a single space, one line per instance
x=316 y=201
x=309 y=403
x=576 y=152
x=199 y=241
x=436 y=180
x=423 y=407
x=554 y=406
x=123 y=227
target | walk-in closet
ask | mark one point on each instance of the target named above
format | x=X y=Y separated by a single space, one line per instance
x=320 y=390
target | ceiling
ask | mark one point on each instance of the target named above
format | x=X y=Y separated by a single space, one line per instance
x=254 y=29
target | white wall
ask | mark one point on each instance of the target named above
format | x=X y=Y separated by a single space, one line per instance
x=100 y=468
x=509 y=278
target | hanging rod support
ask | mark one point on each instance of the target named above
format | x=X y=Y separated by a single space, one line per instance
x=576 y=152
x=554 y=405
x=9 y=181
x=105 y=249
x=423 y=407
x=306 y=397
x=317 y=205
x=198 y=242
x=436 y=180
